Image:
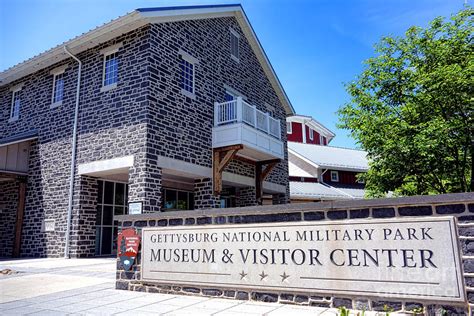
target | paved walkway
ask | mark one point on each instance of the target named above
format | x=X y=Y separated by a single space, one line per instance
x=86 y=287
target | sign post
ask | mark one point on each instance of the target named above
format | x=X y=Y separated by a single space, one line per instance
x=128 y=244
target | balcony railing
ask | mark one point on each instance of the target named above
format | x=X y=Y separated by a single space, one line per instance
x=239 y=111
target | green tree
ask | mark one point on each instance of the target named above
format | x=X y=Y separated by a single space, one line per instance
x=412 y=110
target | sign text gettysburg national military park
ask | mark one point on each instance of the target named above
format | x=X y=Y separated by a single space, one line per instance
x=401 y=258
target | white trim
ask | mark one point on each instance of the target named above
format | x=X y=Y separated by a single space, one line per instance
x=56 y=104
x=237 y=37
x=19 y=141
x=290 y=130
x=111 y=85
x=60 y=102
x=111 y=49
x=108 y=87
x=235 y=92
x=234 y=32
x=105 y=165
x=317 y=126
x=189 y=94
x=194 y=61
x=15 y=117
x=311 y=133
x=321 y=139
x=186 y=56
x=59 y=70
x=336 y=173
x=17 y=87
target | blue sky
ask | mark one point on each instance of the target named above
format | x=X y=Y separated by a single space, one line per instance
x=314 y=45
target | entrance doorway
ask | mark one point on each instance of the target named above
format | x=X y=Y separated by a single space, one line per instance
x=112 y=200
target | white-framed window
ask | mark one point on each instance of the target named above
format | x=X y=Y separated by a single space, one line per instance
x=311 y=134
x=58 y=85
x=188 y=74
x=110 y=75
x=334 y=176
x=289 y=128
x=16 y=103
x=234 y=45
x=58 y=89
x=110 y=67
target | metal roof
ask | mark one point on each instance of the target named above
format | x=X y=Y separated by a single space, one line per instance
x=313 y=191
x=329 y=157
x=18 y=138
x=295 y=171
x=139 y=18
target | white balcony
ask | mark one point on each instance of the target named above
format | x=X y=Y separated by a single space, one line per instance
x=238 y=122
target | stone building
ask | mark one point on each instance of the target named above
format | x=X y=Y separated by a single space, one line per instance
x=176 y=108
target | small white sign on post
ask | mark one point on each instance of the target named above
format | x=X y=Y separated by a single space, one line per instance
x=404 y=258
x=134 y=208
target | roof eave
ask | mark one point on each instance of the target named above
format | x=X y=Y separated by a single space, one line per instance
x=139 y=18
x=76 y=45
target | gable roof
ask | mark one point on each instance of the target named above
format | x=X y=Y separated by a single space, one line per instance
x=139 y=18
x=323 y=191
x=312 y=122
x=329 y=157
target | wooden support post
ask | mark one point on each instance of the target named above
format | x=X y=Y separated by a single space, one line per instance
x=19 y=217
x=221 y=157
x=261 y=175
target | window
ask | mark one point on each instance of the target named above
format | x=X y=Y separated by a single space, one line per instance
x=334 y=176
x=229 y=96
x=110 y=70
x=321 y=140
x=177 y=200
x=187 y=76
x=234 y=45
x=58 y=85
x=110 y=67
x=112 y=199
x=188 y=65
x=311 y=134
x=58 y=88
x=289 y=128
x=16 y=103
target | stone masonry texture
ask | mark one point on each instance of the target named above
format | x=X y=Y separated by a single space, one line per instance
x=386 y=208
x=146 y=116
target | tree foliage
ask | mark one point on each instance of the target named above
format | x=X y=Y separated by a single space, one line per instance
x=412 y=110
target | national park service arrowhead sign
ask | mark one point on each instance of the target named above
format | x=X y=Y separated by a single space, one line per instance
x=128 y=243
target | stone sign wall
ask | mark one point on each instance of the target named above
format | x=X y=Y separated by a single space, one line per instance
x=403 y=252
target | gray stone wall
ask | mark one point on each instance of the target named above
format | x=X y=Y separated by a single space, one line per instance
x=8 y=210
x=145 y=116
x=459 y=205
x=181 y=126
x=111 y=124
x=83 y=228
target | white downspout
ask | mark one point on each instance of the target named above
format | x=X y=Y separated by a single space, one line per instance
x=73 y=155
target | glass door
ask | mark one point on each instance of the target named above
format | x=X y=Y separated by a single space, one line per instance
x=111 y=200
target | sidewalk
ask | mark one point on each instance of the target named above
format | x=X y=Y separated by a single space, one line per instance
x=86 y=287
